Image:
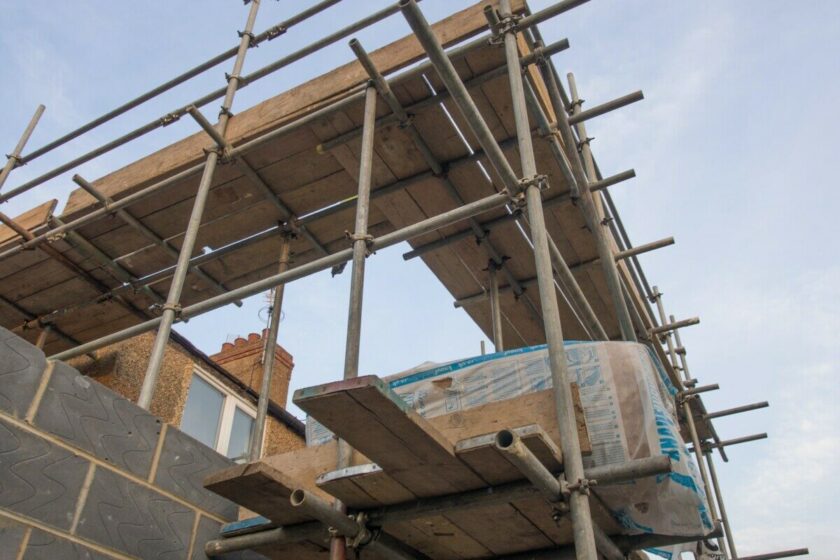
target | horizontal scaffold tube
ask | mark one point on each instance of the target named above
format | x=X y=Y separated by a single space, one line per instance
x=270 y=33
x=212 y=96
x=323 y=263
x=240 y=150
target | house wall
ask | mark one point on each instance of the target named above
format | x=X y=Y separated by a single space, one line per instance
x=85 y=473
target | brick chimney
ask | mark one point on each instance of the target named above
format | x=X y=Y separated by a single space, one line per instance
x=243 y=358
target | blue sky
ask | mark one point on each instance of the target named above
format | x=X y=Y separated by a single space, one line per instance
x=735 y=150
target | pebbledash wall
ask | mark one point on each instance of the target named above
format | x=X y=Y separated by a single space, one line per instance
x=87 y=474
x=238 y=366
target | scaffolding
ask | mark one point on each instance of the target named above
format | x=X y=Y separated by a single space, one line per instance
x=601 y=297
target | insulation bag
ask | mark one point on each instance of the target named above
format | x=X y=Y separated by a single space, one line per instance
x=628 y=404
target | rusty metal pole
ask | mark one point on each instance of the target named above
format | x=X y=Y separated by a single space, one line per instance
x=173 y=300
x=268 y=362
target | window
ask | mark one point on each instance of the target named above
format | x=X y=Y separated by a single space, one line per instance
x=218 y=418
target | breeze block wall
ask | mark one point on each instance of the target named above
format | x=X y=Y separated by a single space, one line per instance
x=87 y=474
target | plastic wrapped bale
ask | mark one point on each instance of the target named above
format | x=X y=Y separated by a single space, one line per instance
x=629 y=410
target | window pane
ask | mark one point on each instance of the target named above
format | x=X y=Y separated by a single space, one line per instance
x=240 y=435
x=202 y=411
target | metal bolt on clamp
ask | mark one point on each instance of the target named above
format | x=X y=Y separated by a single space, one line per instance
x=367 y=238
x=582 y=486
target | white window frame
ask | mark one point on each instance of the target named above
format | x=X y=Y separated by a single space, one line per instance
x=231 y=402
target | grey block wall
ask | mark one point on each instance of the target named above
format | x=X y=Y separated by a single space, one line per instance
x=87 y=474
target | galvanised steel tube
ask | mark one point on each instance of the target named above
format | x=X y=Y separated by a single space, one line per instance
x=689 y=418
x=439 y=171
x=495 y=307
x=676 y=325
x=147 y=232
x=735 y=441
x=241 y=149
x=594 y=220
x=442 y=505
x=575 y=293
x=200 y=102
x=727 y=530
x=276 y=536
x=268 y=358
x=173 y=299
x=268 y=34
x=459 y=93
x=14 y=159
x=775 y=555
x=578 y=500
x=509 y=445
x=324 y=263
x=736 y=410
x=256 y=179
x=360 y=239
x=488 y=225
x=604 y=108
x=323 y=511
x=103 y=211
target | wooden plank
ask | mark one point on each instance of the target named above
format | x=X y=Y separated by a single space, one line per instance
x=29 y=220
x=481 y=454
x=373 y=419
x=260 y=488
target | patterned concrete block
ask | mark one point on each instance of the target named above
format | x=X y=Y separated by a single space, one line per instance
x=44 y=546
x=11 y=535
x=92 y=417
x=183 y=465
x=21 y=366
x=134 y=519
x=38 y=479
x=209 y=530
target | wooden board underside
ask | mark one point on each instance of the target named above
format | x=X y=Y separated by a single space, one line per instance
x=307 y=180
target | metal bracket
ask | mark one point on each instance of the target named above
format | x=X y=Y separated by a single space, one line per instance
x=582 y=486
x=18 y=161
x=367 y=238
x=224 y=110
x=540 y=181
x=479 y=239
x=584 y=142
x=251 y=38
x=606 y=220
x=276 y=31
x=506 y=25
x=407 y=122
x=168 y=119
x=364 y=536
x=161 y=307
x=682 y=398
x=575 y=103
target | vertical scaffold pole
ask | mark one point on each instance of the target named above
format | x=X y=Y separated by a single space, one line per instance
x=595 y=220
x=361 y=240
x=173 y=298
x=685 y=403
x=581 y=514
x=270 y=344
x=730 y=540
x=495 y=306
x=14 y=158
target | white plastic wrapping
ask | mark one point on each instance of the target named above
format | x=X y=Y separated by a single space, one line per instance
x=629 y=409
